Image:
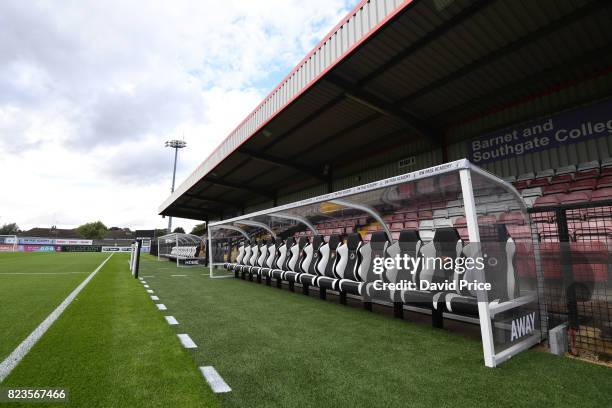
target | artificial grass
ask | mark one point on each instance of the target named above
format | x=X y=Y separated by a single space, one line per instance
x=113 y=348
x=277 y=348
x=32 y=285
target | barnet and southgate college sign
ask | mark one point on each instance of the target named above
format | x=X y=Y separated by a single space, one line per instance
x=564 y=128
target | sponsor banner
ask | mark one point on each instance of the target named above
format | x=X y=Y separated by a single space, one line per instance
x=6 y=248
x=116 y=249
x=7 y=240
x=81 y=248
x=39 y=248
x=73 y=242
x=552 y=131
x=36 y=241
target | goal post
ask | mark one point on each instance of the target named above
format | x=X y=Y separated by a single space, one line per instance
x=8 y=243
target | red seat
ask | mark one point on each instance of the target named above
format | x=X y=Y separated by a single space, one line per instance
x=576 y=197
x=541 y=182
x=604 y=182
x=412 y=216
x=521 y=185
x=397 y=226
x=519 y=232
x=487 y=220
x=397 y=217
x=547 y=201
x=587 y=174
x=602 y=194
x=606 y=171
x=425 y=215
x=556 y=188
x=512 y=218
x=587 y=184
x=411 y=225
x=562 y=178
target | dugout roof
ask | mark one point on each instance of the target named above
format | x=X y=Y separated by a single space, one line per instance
x=427 y=66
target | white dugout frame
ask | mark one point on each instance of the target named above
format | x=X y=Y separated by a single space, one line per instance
x=486 y=310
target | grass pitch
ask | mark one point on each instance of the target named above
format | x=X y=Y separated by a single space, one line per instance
x=277 y=348
x=110 y=348
x=32 y=285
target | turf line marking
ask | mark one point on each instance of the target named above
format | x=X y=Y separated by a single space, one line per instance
x=148 y=276
x=178 y=275
x=42 y=273
x=161 y=306
x=154 y=297
x=150 y=291
x=186 y=341
x=215 y=381
x=171 y=320
x=26 y=345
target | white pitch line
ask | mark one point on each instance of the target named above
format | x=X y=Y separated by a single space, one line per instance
x=178 y=275
x=171 y=320
x=215 y=381
x=150 y=291
x=161 y=306
x=26 y=345
x=154 y=297
x=42 y=273
x=186 y=341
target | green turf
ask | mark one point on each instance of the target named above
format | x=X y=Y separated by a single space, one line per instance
x=32 y=285
x=113 y=348
x=277 y=348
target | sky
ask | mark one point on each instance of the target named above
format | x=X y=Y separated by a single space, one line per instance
x=91 y=90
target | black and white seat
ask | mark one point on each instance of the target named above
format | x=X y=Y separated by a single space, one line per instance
x=346 y=264
x=408 y=244
x=312 y=260
x=231 y=266
x=245 y=259
x=496 y=242
x=261 y=259
x=252 y=261
x=445 y=243
x=298 y=255
x=365 y=276
x=273 y=255
x=283 y=260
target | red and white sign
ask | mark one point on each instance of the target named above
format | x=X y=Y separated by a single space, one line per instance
x=6 y=248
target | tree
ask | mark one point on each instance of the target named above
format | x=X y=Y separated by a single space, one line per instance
x=199 y=229
x=179 y=230
x=9 y=229
x=159 y=232
x=93 y=230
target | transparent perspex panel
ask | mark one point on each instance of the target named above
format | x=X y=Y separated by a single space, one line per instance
x=509 y=252
x=407 y=240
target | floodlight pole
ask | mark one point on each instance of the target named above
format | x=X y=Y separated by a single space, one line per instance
x=176 y=145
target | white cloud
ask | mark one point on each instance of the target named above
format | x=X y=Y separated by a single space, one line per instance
x=89 y=91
